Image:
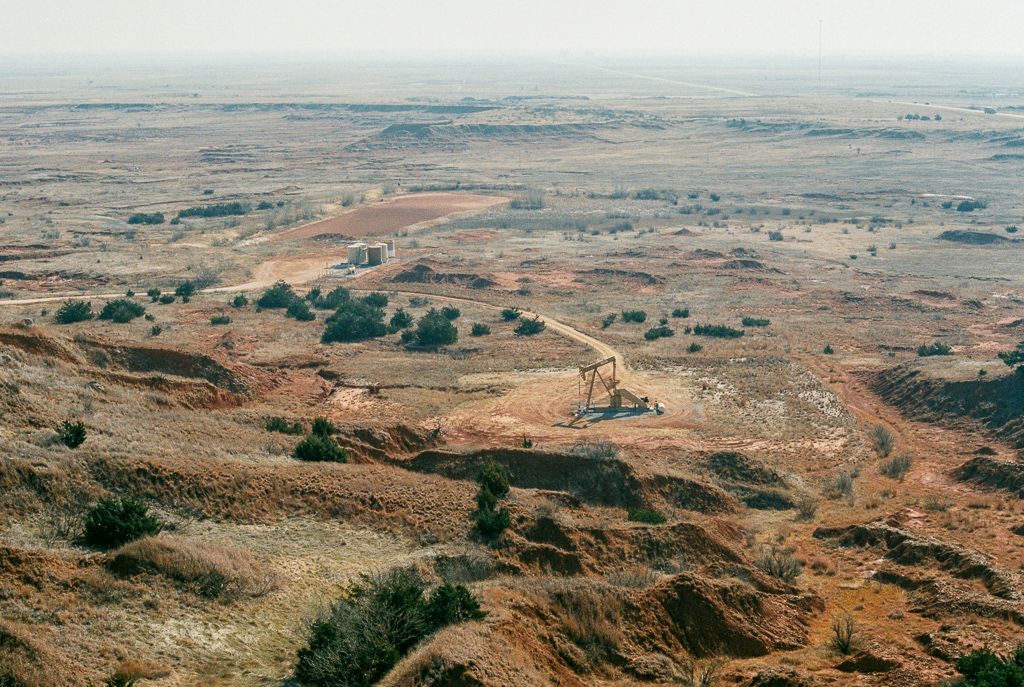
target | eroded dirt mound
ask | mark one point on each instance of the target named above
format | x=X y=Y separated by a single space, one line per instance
x=600 y=480
x=424 y=274
x=744 y=264
x=997 y=404
x=381 y=443
x=909 y=549
x=642 y=277
x=781 y=677
x=990 y=471
x=977 y=238
x=749 y=479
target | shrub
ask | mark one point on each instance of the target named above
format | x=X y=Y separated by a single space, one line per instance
x=167 y=298
x=897 y=467
x=681 y=312
x=717 y=330
x=756 y=322
x=73 y=311
x=985 y=668
x=156 y=330
x=775 y=235
x=420 y=302
x=492 y=523
x=649 y=516
x=185 y=291
x=377 y=620
x=279 y=424
x=322 y=427
x=299 y=309
x=1011 y=229
x=115 y=523
x=376 y=300
x=882 y=440
x=694 y=348
x=715 y=197
x=479 y=329
x=638 y=316
x=494 y=478
x=806 y=508
x=333 y=300
x=434 y=329
x=239 y=301
x=450 y=312
x=658 y=333
x=937 y=348
x=71 y=434
x=280 y=295
x=154 y=294
x=485 y=500
x=508 y=314
x=401 y=319
x=121 y=310
x=828 y=349
x=607 y=321
x=843 y=637
x=223 y=210
x=313 y=295
x=220 y=319
x=143 y=218
x=840 y=485
x=1015 y=357
x=529 y=327
x=354 y=320
x=264 y=205
x=319 y=449
x=779 y=563
x=969 y=206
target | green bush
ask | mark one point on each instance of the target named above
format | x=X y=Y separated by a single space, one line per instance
x=156 y=330
x=658 y=333
x=154 y=294
x=143 y=218
x=220 y=319
x=897 y=467
x=280 y=295
x=376 y=300
x=319 y=449
x=1015 y=357
x=353 y=321
x=73 y=311
x=681 y=312
x=322 y=427
x=451 y=312
x=479 y=329
x=239 y=301
x=937 y=348
x=401 y=319
x=333 y=300
x=694 y=347
x=494 y=478
x=434 y=329
x=494 y=522
x=115 y=523
x=71 y=434
x=485 y=500
x=509 y=314
x=418 y=302
x=756 y=322
x=985 y=668
x=223 y=210
x=828 y=349
x=167 y=298
x=377 y=620
x=646 y=515
x=717 y=330
x=607 y=321
x=185 y=291
x=529 y=327
x=121 y=310
x=313 y=295
x=299 y=309
x=638 y=316
x=279 y=424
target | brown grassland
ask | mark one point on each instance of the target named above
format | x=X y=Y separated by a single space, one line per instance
x=573 y=195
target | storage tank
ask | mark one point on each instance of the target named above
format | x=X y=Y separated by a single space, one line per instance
x=377 y=254
x=391 y=248
x=357 y=253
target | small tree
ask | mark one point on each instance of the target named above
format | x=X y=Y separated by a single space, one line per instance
x=73 y=311
x=121 y=310
x=434 y=329
x=299 y=309
x=71 y=434
x=280 y=295
x=239 y=301
x=316 y=448
x=529 y=327
x=185 y=291
x=376 y=300
x=509 y=314
x=154 y=294
x=401 y=320
x=322 y=427
x=494 y=478
x=114 y=523
x=1014 y=358
x=451 y=312
x=479 y=329
x=354 y=320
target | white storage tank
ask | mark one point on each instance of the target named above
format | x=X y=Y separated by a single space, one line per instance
x=391 y=248
x=377 y=254
x=357 y=253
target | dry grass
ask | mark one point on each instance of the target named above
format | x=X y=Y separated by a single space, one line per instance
x=212 y=571
x=27 y=661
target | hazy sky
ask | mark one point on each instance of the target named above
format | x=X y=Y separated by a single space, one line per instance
x=382 y=27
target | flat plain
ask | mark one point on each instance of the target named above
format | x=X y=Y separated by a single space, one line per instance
x=844 y=225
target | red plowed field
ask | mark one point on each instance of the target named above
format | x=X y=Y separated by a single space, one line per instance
x=382 y=219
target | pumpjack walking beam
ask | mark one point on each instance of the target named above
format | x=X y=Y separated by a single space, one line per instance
x=594 y=371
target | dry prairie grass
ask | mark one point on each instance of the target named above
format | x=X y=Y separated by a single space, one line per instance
x=212 y=571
